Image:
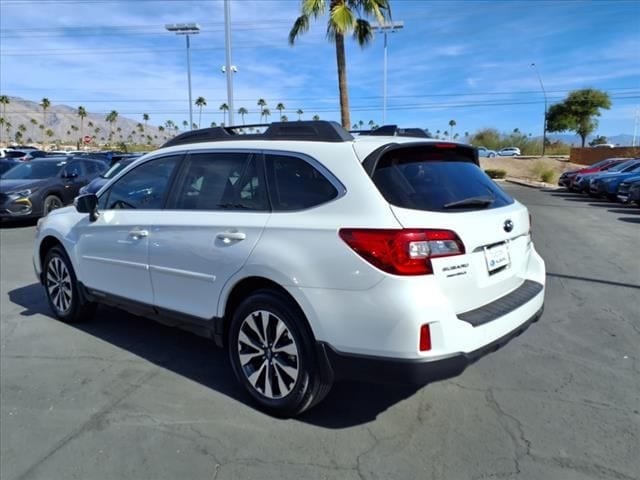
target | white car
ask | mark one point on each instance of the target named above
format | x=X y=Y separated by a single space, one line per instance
x=509 y=152
x=312 y=256
x=485 y=152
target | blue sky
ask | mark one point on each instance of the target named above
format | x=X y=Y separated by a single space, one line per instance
x=469 y=61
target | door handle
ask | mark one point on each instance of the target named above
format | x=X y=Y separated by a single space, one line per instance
x=137 y=234
x=228 y=237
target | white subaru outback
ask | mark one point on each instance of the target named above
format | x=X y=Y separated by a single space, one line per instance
x=310 y=255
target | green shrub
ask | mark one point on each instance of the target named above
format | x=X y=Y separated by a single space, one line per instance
x=547 y=175
x=496 y=173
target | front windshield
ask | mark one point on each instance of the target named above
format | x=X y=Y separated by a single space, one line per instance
x=33 y=171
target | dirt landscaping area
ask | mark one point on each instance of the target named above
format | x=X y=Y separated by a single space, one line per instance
x=529 y=168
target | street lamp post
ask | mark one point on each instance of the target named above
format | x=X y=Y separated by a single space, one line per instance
x=385 y=28
x=228 y=66
x=186 y=29
x=544 y=92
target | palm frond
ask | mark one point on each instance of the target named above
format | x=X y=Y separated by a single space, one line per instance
x=313 y=8
x=342 y=19
x=362 y=32
x=300 y=26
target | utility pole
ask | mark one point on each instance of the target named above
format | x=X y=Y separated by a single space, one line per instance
x=544 y=128
x=229 y=71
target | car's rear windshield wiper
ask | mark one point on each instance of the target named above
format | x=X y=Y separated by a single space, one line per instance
x=483 y=201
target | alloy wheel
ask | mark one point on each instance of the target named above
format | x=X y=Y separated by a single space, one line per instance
x=268 y=354
x=58 y=285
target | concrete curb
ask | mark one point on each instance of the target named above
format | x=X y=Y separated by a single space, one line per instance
x=531 y=184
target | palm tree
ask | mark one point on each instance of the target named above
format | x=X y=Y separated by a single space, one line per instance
x=316 y=117
x=342 y=20
x=4 y=101
x=22 y=128
x=225 y=108
x=145 y=118
x=299 y=112
x=200 y=102
x=261 y=103
x=33 y=122
x=2 y=124
x=111 y=118
x=8 y=126
x=242 y=112
x=284 y=118
x=45 y=103
x=82 y=113
x=280 y=107
x=266 y=112
x=185 y=124
x=214 y=124
x=452 y=123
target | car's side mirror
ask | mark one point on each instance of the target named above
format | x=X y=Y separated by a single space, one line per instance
x=70 y=175
x=87 y=203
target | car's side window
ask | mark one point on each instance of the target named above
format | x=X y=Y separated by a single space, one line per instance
x=92 y=168
x=73 y=170
x=295 y=184
x=221 y=181
x=145 y=187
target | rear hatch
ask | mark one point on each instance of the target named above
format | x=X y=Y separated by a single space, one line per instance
x=439 y=186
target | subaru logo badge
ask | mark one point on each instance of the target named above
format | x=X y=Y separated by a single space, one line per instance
x=508 y=225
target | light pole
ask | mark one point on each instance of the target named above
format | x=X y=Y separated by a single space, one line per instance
x=544 y=128
x=228 y=66
x=186 y=29
x=385 y=28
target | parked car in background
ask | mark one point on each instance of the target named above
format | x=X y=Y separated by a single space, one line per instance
x=634 y=193
x=567 y=177
x=25 y=155
x=626 y=186
x=33 y=189
x=485 y=152
x=580 y=182
x=606 y=184
x=509 y=152
x=601 y=183
x=604 y=145
x=312 y=255
x=98 y=182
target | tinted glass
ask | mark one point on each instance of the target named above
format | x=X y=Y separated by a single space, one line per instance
x=73 y=170
x=221 y=181
x=437 y=185
x=295 y=184
x=144 y=187
x=34 y=170
x=14 y=154
x=93 y=168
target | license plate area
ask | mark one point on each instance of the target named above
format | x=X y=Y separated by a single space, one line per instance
x=497 y=257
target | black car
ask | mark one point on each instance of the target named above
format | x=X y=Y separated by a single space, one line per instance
x=32 y=189
x=97 y=183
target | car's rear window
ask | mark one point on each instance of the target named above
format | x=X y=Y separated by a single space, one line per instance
x=440 y=183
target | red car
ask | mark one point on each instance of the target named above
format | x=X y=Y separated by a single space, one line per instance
x=566 y=179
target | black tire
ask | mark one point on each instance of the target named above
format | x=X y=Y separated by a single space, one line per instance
x=61 y=288
x=492 y=155
x=51 y=202
x=282 y=377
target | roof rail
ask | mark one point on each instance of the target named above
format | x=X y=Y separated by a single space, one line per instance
x=394 y=131
x=309 y=130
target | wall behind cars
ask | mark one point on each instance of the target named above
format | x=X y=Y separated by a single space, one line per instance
x=588 y=156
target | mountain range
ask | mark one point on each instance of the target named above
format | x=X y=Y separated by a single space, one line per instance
x=65 y=124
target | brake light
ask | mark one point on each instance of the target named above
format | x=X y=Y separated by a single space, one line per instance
x=402 y=252
x=446 y=145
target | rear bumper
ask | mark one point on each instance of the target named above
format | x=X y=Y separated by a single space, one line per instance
x=343 y=366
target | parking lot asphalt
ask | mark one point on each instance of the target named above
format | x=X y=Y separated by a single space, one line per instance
x=124 y=397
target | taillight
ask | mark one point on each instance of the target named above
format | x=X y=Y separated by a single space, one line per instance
x=403 y=252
